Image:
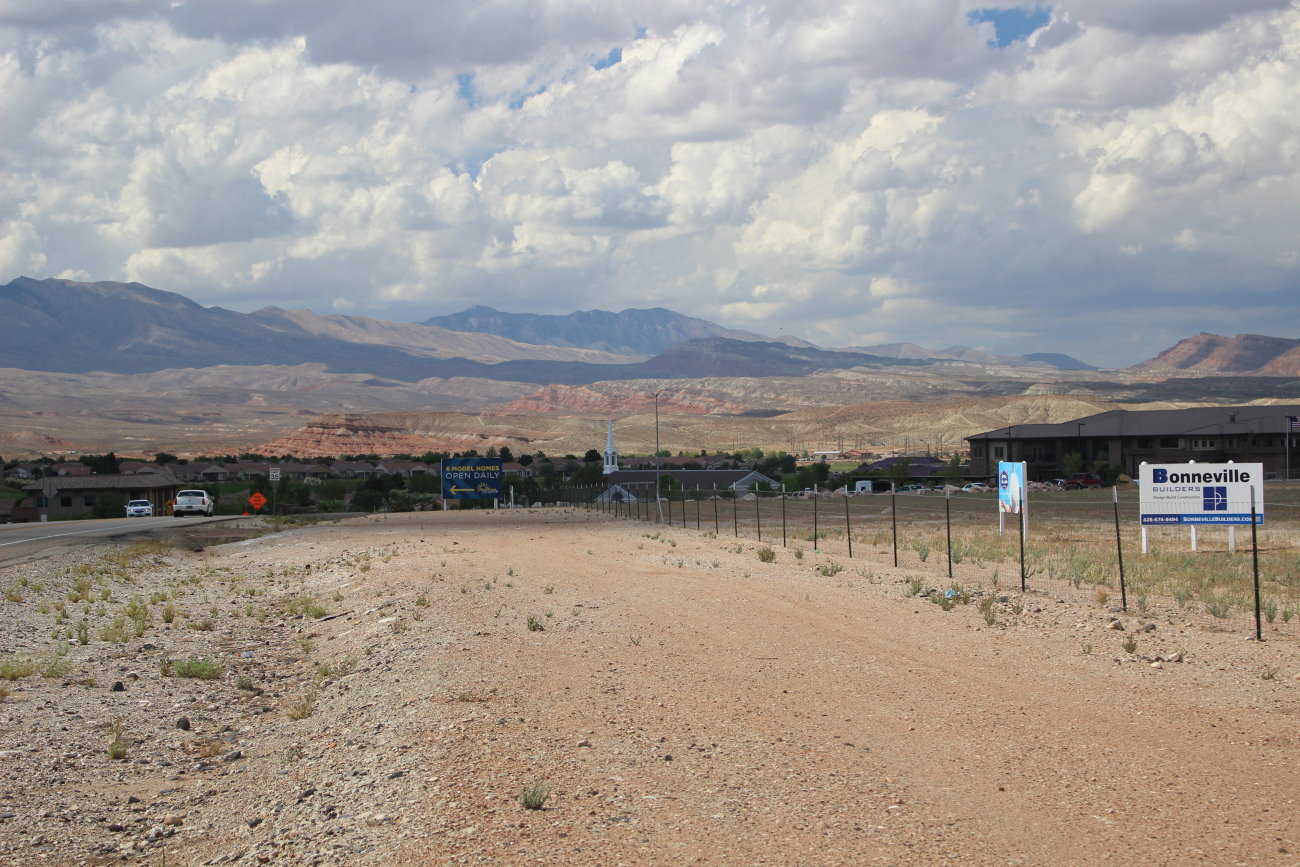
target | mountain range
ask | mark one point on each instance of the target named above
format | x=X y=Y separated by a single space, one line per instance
x=67 y=326
x=121 y=365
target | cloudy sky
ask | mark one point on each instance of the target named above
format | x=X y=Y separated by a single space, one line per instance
x=1097 y=177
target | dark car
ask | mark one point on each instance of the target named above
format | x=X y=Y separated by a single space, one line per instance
x=1082 y=480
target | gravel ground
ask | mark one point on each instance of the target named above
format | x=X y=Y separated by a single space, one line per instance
x=380 y=696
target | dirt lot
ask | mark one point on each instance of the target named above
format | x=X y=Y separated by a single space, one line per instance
x=381 y=698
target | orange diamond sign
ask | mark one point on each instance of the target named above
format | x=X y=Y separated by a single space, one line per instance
x=257 y=501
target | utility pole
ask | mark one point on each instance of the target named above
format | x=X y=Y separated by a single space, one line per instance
x=658 y=502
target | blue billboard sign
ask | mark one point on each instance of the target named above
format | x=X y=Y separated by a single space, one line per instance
x=1011 y=487
x=471 y=478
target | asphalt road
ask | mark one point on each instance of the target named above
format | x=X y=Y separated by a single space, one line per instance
x=20 y=543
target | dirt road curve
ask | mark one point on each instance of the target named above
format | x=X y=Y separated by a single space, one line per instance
x=685 y=703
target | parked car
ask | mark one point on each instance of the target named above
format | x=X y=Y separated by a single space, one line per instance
x=976 y=488
x=913 y=489
x=1082 y=480
x=192 y=503
x=139 y=509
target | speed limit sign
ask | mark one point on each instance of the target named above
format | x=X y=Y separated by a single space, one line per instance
x=274 y=474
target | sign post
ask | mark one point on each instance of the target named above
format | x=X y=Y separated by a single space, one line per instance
x=273 y=475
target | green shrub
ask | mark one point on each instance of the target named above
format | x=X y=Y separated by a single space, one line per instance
x=201 y=667
x=302 y=708
x=534 y=796
x=766 y=554
x=17 y=667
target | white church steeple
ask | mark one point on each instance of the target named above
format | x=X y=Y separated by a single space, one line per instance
x=611 y=453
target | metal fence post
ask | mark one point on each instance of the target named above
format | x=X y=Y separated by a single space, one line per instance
x=848 y=525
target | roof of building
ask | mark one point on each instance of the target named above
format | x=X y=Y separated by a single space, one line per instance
x=120 y=481
x=703 y=479
x=1215 y=420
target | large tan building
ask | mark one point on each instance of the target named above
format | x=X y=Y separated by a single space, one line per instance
x=1125 y=439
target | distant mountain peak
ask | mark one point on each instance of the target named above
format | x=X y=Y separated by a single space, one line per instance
x=633 y=331
x=1209 y=354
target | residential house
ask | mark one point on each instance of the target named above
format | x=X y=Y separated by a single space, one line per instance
x=629 y=486
x=62 y=497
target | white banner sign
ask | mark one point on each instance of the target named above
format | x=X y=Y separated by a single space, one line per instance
x=1201 y=493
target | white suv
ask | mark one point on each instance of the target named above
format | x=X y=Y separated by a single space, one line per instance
x=192 y=503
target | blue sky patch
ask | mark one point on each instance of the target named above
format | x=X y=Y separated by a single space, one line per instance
x=465 y=88
x=615 y=55
x=1013 y=25
x=518 y=102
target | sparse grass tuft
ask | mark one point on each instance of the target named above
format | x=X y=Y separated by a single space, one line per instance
x=832 y=569
x=1130 y=645
x=17 y=667
x=326 y=673
x=301 y=708
x=986 y=608
x=117 y=746
x=534 y=796
x=306 y=606
x=200 y=667
x=534 y=623
x=766 y=554
x=1219 y=606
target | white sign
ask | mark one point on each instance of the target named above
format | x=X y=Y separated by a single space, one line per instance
x=273 y=474
x=1201 y=493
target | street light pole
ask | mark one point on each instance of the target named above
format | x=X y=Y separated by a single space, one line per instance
x=658 y=503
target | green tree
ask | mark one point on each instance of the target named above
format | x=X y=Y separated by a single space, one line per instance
x=367 y=500
x=165 y=458
x=591 y=456
x=589 y=474
x=1072 y=463
x=525 y=460
x=332 y=489
x=952 y=470
x=821 y=471
x=103 y=465
x=109 y=506
x=505 y=454
x=429 y=483
x=900 y=471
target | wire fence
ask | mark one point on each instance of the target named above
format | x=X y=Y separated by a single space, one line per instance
x=1086 y=538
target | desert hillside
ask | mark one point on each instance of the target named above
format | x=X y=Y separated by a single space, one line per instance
x=1211 y=354
x=939 y=425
